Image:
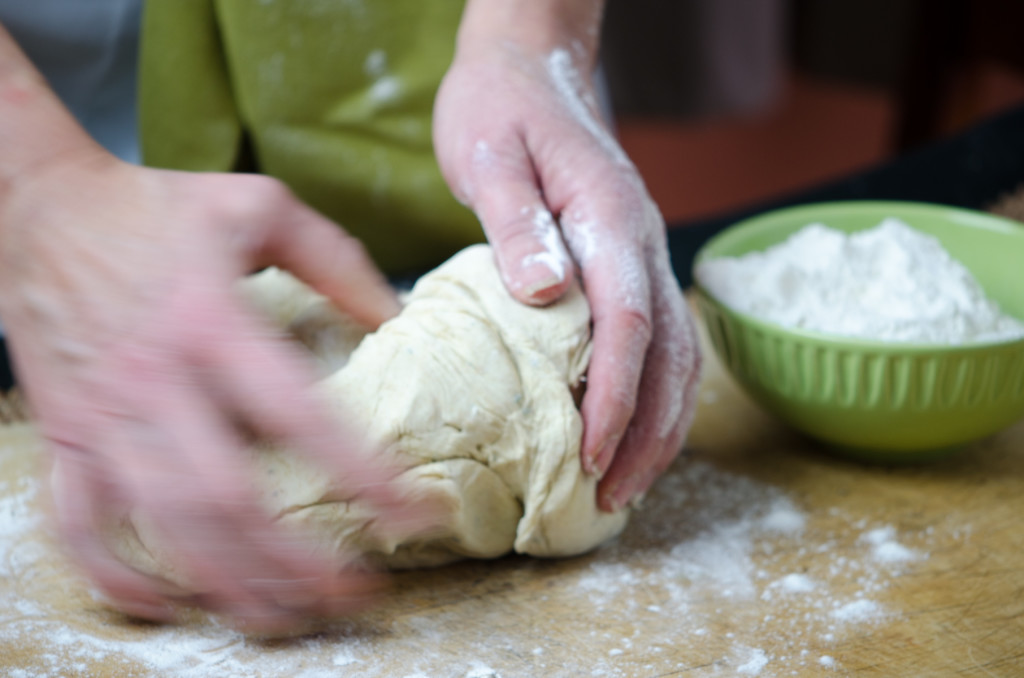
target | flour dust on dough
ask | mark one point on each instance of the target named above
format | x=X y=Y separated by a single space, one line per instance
x=467 y=390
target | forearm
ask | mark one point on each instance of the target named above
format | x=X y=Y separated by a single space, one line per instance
x=534 y=25
x=35 y=127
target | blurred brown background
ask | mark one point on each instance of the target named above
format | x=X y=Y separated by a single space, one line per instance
x=722 y=103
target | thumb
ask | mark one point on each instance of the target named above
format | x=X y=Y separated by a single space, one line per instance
x=531 y=256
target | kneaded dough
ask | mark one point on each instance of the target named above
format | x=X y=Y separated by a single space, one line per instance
x=467 y=390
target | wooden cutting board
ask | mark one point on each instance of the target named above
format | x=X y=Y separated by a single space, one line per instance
x=757 y=554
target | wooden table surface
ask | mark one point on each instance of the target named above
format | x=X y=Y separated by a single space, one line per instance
x=757 y=554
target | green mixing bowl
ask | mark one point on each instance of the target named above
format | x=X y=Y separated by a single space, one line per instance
x=877 y=400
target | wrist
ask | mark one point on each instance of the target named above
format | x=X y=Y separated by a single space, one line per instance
x=36 y=130
x=533 y=26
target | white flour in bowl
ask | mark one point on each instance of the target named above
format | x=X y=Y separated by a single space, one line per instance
x=889 y=283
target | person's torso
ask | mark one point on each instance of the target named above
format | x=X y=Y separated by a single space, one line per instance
x=334 y=97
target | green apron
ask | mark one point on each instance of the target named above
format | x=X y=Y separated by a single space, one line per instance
x=333 y=97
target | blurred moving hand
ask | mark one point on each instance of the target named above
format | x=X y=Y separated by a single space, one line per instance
x=521 y=141
x=146 y=373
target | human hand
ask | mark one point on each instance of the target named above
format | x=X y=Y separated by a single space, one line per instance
x=145 y=373
x=520 y=140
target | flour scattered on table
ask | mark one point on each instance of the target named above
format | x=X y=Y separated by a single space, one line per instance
x=481 y=671
x=723 y=570
x=859 y=611
x=795 y=583
x=885 y=548
x=740 y=533
x=344 y=658
x=754 y=660
x=785 y=518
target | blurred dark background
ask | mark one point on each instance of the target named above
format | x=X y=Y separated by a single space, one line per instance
x=727 y=103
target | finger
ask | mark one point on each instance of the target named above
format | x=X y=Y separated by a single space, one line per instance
x=534 y=263
x=620 y=306
x=268 y=384
x=76 y=488
x=646 y=444
x=329 y=260
x=666 y=400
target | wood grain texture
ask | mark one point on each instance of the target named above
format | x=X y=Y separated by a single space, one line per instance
x=757 y=554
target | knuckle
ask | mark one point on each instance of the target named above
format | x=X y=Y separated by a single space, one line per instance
x=250 y=197
x=636 y=321
x=501 y=151
x=513 y=227
x=265 y=187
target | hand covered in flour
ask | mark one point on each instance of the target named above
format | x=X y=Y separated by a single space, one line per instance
x=146 y=374
x=520 y=140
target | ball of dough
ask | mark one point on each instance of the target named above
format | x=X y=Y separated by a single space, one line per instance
x=467 y=390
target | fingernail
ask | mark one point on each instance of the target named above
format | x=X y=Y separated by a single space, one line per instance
x=599 y=462
x=539 y=276
x=589 y=463
x=611 y=504
x=542 y=289
x=625 y=491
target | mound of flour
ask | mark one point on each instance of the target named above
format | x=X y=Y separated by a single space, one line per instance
x=889 y=283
